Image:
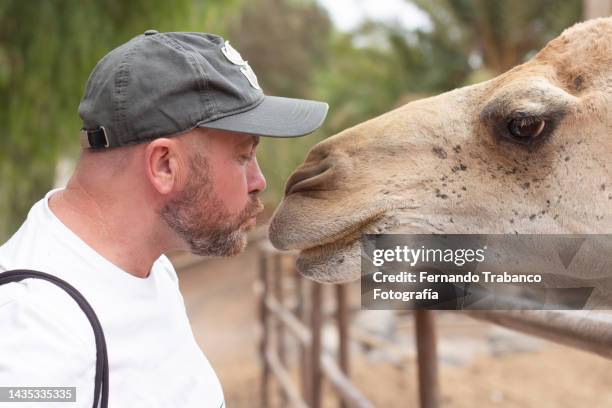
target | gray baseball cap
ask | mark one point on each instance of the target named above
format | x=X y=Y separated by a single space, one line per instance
x=162 y=84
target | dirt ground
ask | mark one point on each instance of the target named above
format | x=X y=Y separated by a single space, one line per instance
x=480 y=365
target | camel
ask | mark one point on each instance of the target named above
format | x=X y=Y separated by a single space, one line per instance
x=529 y=151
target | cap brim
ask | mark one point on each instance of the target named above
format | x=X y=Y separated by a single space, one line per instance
x=275 y=116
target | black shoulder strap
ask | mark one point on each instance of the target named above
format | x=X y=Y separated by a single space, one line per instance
x=101 y=379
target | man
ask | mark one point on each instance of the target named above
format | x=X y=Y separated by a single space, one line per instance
x=171 y=125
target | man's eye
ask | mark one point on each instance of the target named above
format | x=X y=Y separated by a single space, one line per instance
x=245 y=158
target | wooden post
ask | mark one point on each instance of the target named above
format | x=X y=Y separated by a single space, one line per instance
x=427 y=358
x=263 y=317
x=300 y=312
x=342 y=316
x=280 y=329
x=315 y=349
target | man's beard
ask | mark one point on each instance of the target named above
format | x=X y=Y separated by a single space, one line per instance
x=212 y=230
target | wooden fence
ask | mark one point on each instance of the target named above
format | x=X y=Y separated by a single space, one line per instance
x=302 y=317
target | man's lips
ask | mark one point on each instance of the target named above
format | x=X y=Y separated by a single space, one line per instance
x=251 y=221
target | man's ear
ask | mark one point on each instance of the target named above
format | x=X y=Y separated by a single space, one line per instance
x=165 y=165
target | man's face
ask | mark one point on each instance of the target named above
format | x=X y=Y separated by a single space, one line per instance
x=219 y=201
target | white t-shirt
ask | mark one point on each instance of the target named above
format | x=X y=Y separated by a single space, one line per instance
x=46 y=339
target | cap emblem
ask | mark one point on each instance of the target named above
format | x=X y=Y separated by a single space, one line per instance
x=235 y=58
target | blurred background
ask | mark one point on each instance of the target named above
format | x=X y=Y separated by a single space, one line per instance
x=363 y=57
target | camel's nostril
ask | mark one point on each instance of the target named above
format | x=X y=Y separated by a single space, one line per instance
x=305 y=179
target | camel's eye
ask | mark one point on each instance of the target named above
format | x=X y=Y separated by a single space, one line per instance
x=527 y=129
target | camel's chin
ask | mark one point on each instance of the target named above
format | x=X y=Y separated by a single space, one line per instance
x=331 y=264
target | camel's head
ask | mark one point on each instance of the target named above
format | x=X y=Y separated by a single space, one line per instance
x=527 y=152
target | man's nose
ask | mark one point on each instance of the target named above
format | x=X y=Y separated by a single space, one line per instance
x=256 y=179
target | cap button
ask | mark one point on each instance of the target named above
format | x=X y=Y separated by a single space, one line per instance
x=151 y=32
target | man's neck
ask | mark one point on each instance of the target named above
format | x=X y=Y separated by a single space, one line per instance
x=117 y=229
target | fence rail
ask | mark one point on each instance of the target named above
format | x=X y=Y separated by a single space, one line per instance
x=581 y=329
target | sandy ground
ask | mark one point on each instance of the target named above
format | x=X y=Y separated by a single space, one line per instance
x=481 y=365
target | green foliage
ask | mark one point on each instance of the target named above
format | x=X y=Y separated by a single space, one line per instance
x=359 y=83
x=503 y=32
x=366 y=81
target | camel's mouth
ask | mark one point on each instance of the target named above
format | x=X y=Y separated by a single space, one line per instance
x=349 y=236
x=339 y=260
